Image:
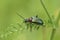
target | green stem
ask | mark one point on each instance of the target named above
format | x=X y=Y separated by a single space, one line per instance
x=54 y=30
x=46 y=10
x=53 y=33
x=53 y=24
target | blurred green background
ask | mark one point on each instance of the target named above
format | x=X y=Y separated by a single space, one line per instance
x=26 y=8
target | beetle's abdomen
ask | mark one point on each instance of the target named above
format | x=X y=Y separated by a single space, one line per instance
x=40 y=22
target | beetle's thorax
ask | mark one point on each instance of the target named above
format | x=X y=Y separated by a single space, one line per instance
x=29 y=20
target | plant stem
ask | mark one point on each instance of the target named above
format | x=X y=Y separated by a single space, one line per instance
x=54 y=30
x=53 y=24
x=46 y=10
x=53 y=33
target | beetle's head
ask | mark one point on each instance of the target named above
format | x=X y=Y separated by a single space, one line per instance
x=26 y=20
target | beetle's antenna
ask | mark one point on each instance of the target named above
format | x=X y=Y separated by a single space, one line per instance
x=20 y=15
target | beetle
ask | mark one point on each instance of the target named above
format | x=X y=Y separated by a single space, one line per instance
x=32 y=20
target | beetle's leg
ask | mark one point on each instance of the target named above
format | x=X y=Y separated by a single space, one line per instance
x=35 y=27
x=30 y=26
x=27 y=26
x=38 y=27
